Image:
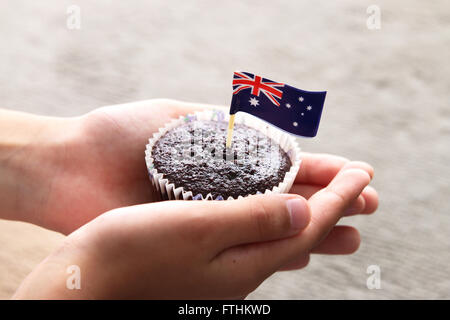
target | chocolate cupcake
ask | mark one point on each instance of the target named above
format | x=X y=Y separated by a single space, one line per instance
x=187 y=159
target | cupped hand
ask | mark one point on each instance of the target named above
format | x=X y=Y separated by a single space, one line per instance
x=99 y=164
x=209 y=249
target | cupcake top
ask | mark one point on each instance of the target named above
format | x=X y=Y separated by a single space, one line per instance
x=193 y=156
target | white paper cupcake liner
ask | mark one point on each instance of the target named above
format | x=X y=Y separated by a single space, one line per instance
x=169 y=191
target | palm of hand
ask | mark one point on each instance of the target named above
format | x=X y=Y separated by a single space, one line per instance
x=104 y=167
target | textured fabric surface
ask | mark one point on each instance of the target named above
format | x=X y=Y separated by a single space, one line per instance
x=387 y=103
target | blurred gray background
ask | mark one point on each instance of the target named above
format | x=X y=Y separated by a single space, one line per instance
x=387 y=104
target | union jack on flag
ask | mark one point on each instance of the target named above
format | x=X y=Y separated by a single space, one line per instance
x=257 y=84
x=293 y=110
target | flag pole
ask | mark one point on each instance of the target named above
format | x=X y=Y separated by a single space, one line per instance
x=230 y=130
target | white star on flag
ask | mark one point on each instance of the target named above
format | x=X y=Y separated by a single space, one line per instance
x=308 y=108
x=254 y=102
x=288 y=105
x=301 y=99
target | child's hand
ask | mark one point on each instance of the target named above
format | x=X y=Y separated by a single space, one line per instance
x=70 y=170
x=67 y=171
x=208 y=249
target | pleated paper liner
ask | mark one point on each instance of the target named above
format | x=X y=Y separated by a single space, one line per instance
x=169 y=191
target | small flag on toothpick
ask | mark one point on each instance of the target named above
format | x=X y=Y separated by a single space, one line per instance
x=293 y=110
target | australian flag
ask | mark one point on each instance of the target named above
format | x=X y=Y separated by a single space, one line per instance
x=293 y=110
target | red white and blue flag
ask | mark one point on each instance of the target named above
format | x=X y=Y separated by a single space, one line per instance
x=293 y=110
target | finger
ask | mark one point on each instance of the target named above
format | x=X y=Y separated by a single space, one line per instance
x=319 y=169
x=366 y=203
x=255 y=218
x=356 y=207
x=217 y=225
x=248 y=265
x=327 y=207
x=329 y=204
x=298 y=263
x=305 y=190
x=371 y=200
x=340 y=240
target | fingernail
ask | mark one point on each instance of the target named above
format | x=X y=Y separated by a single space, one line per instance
x=299 y=213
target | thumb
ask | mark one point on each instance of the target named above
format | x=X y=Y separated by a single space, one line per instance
x=223 y=224
x=252 y=219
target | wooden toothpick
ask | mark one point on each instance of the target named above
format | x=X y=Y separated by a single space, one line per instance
x=230 y=130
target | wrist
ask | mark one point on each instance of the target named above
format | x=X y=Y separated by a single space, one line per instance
x=62 y=275
x=78 y=269
x=32 y=151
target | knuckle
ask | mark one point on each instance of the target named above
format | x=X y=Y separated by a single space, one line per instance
x=268 y=221
x=336 y=195
x=261 y=218
x=337 y=202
